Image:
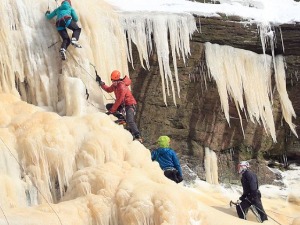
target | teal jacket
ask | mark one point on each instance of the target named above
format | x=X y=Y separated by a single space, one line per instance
x=63 y=12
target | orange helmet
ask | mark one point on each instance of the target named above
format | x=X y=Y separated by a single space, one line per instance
x=115 y=75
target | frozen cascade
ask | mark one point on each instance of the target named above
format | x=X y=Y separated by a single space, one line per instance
x=268 y=38
x=239 y=73
x=31 y=66
x=89 y=167
x=159 y=26
x=211 y=166
x=286 y=104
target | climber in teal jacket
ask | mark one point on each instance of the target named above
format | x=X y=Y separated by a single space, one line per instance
x=167 y=159
x=66 y=17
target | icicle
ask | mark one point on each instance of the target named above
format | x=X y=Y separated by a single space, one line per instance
x=214 y=63
x=286 y=104
x=281 y=39
x=263 y=31
x=137 y=32
x=267 y=37
x=211 y=166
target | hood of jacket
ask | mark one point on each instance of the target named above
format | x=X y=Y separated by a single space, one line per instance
x=162 y=151
x=65 y=5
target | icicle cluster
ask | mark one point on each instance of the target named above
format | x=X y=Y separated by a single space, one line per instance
x=246 y=76
x=176 y=28
x=268 y=37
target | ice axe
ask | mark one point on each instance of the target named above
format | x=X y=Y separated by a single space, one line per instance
x=232 y=203
x=94 y=68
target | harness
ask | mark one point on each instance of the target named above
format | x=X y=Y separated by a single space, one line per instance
x=63 y=22
x=169 y=169
x=127 y=107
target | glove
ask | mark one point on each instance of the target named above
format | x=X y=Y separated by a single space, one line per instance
x=98 y=79
x=253 y=196
x=242 y=198
x=180 y=179
x=47 y=12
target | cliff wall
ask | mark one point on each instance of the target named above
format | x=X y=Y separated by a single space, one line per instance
x=197 y=121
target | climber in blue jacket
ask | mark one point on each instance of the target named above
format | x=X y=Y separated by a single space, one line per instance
x=66 y=17
x=167 y=159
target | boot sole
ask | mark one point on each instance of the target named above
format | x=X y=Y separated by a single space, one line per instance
x=76 y=45
x=63 y=56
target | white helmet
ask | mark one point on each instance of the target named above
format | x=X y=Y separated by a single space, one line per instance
x=243 y=166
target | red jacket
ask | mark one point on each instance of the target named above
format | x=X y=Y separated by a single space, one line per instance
x=122 y=93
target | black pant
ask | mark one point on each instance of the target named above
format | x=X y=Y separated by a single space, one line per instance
x=120 y=113
x=243 y=207
x=64 y=34
x=173 y=175
x=130 y=113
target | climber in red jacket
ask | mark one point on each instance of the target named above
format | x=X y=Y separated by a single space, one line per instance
x=124 y=99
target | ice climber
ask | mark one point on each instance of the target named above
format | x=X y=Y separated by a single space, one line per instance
x=251 y=194
x=167 y=159
x=124 y=99
x=66 y=17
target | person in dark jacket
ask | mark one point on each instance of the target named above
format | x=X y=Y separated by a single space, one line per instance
x=167 y=159
x=251 y=195
x=124 y=99
x=66 y=17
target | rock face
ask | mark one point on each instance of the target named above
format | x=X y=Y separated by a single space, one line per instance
x=197 y=121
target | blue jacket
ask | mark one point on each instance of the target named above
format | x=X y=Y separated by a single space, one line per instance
x=63 y=11
x=166 y=157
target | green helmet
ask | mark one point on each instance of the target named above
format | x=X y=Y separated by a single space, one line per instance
x=163 y=141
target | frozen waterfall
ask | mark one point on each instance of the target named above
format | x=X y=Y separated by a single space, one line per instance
x=31 y=66
x=245 y=77
x=64 y=162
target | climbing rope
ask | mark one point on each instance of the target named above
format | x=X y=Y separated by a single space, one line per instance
x=87 y=94
x=53 y=44
x=112 y=98
x=4 y=215
x=267 y=215
x=23 y=170
x=292 y=217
